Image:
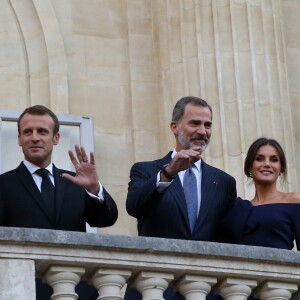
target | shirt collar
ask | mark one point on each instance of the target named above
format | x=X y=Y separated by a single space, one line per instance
x=197 y=164
x=32 y=168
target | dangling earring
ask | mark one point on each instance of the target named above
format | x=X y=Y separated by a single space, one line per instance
x=250 y=174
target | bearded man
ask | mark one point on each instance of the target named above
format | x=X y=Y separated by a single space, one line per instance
x=180 y=196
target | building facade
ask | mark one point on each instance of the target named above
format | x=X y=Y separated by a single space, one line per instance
x=126 y=62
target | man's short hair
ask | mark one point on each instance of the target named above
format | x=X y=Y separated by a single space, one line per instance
x=40 y=110
x=179 y=107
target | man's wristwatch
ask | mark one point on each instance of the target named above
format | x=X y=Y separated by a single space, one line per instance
x=163 y=170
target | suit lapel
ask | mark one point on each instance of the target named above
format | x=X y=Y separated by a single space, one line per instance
x=177 y=192
x=208 y=191
x=26 y=179
x=175 y=189
x=59 y=191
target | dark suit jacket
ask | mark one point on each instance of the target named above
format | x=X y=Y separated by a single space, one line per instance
x=21 y=205
x=165 y=214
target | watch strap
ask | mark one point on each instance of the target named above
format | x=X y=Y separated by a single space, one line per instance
x=163 y=170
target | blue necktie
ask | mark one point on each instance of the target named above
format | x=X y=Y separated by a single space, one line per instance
x=191 y=196
x=47 y=191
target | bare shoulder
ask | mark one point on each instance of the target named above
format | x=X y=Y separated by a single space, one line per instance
x=292 y=197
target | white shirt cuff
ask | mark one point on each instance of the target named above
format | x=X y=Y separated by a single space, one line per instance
x=161 y=186
x=100 y=195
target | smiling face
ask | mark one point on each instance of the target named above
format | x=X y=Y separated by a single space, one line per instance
x=266 y=166
x=37 y=139
x=194 y=128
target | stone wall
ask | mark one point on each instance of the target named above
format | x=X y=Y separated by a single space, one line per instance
x=126 y=62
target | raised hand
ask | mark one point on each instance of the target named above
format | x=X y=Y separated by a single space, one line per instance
x=183 y=160
x=86 y=173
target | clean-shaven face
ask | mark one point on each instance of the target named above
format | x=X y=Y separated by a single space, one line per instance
x=36 y=138
x=266 y=166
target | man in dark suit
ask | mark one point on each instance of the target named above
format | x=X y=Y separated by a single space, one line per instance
x=76 y=199
x=157 y=194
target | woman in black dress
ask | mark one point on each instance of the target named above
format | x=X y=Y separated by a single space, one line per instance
x=272 y=217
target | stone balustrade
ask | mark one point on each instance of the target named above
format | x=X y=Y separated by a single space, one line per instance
x=109 y=262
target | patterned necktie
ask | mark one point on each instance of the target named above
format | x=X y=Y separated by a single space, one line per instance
x=191 y=196
x=47 y=191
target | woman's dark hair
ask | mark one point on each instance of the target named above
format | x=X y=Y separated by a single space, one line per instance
x=252 y=151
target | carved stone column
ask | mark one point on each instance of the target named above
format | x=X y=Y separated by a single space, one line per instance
x=194 y=287
x=109 y=283
x=152 y=284
x=235 y=289
x=63 y=280
x=271 y=290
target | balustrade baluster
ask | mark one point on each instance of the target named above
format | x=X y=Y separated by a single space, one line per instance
x=235 y=289
x=152 y=284
x=272 y=290
x=63 y=280
x=109 y=283
x=194 y=287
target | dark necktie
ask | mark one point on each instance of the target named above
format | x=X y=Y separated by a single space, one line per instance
x=191 y=196
x=47 y=191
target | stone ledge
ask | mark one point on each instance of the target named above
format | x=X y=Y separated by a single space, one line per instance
x=145 y=245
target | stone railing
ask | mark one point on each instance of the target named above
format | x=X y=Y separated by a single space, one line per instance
x=108 y=262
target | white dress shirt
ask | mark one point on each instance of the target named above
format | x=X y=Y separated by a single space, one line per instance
x=38 y=179
x=161 y=186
